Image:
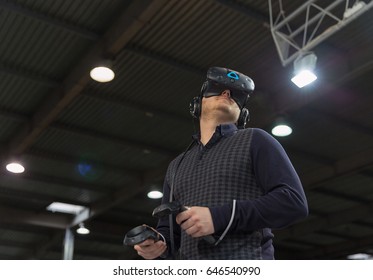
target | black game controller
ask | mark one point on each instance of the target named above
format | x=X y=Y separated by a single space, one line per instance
x=175 y=207
x=166 y=209
x=139 y=234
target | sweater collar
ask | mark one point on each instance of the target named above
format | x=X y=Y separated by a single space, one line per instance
x=223 y=130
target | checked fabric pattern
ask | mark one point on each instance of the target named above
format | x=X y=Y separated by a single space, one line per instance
x=214 y=175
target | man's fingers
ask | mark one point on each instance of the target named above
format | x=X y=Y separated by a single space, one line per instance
x=196 y=221
x=183 y=216
x=151 y=250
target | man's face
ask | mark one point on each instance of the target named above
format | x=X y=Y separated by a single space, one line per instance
x=222 y=107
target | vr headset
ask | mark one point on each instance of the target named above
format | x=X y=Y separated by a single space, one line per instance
x=220 y=79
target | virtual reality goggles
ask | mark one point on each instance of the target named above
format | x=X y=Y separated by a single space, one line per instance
x=220 y=79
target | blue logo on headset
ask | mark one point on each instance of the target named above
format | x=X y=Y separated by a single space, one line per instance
x=233 y=75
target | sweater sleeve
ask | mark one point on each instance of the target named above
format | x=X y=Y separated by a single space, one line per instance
x=283 y=202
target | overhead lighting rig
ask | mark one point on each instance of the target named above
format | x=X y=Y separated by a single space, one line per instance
x=318 y=25
x=320 y=22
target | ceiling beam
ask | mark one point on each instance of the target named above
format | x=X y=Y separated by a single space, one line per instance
x=137 y=15
x=63 y=24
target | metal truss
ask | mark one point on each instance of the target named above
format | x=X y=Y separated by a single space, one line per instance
x=319 y=24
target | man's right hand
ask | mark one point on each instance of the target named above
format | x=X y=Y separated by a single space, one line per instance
x=150 y=250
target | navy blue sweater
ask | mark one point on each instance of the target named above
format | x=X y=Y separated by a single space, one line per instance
x=282 y=200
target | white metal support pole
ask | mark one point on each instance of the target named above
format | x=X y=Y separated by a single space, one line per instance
x=68 y=248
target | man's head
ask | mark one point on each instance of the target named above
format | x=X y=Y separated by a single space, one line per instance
x=219 y=82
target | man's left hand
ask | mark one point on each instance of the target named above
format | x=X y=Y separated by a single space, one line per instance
x=196 y=221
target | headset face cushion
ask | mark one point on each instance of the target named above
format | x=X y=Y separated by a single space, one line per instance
x=215 y=89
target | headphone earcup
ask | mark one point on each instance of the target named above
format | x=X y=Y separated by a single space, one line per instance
x=204 y=87
x=195 y=107
x=243 y=118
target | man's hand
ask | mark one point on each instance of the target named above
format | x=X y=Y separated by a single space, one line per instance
x=196 y=221
x=150 y=250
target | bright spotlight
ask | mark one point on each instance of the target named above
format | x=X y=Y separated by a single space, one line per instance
x=102 y=74
x=155 y=194
x=303 y=69
x=102 y=71
x=15 y=167
x=304 y=78
x=282 y=130
x=82 y=229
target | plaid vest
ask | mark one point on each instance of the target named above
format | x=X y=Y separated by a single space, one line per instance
x=214 y=175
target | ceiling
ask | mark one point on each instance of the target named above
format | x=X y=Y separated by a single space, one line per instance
x=104 y=146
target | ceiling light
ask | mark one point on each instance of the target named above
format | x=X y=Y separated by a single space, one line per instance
x=82 y=229
x=303 y=70
x=102 y=72
x=281 y=128
x=65 y=208
x=155 y=194
x=15 y=167
x=360 y=256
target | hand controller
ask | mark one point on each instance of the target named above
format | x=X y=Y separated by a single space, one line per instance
x=139 y=234
x=175 y=207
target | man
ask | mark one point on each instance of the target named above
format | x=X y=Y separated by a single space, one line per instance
x=238 y=184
